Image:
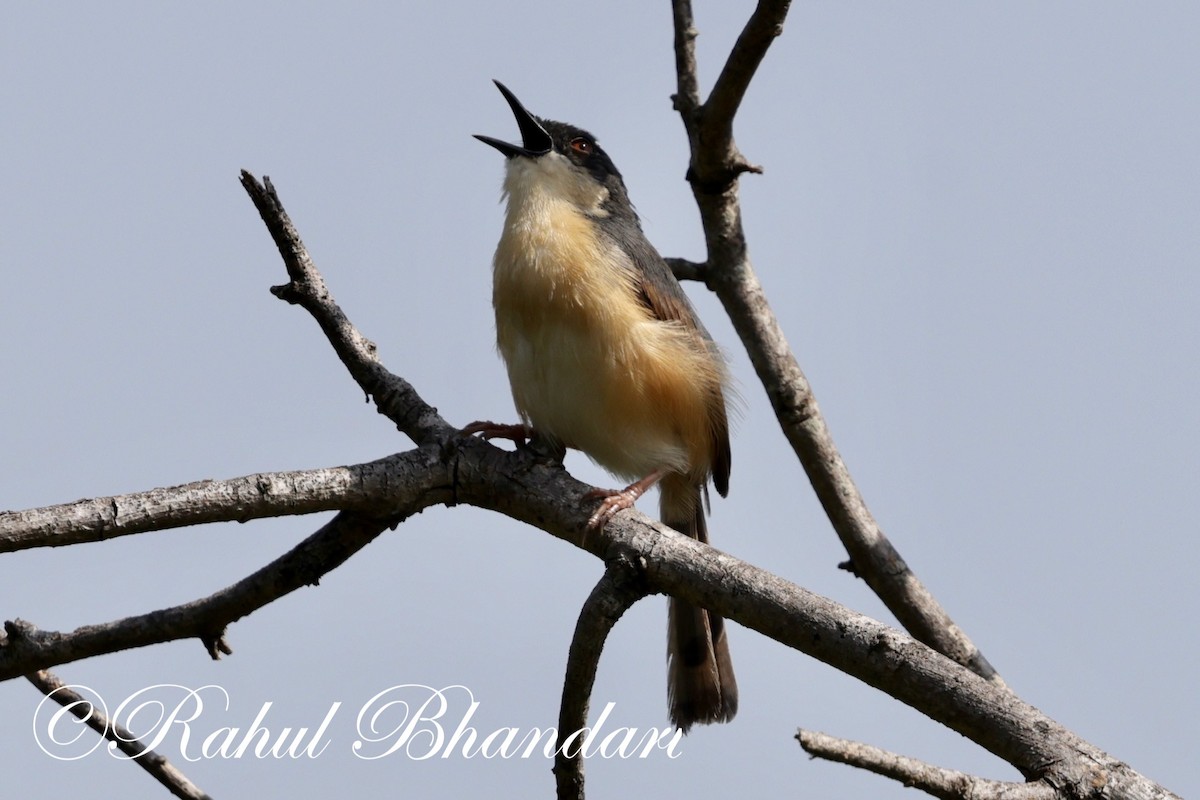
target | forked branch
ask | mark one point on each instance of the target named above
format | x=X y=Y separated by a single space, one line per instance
x=26 y=649
x=715 y=162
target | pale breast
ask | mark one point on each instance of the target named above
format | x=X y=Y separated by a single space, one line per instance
x=588 y=364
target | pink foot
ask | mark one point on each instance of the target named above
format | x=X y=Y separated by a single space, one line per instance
x=496 y=430
x=614 y=500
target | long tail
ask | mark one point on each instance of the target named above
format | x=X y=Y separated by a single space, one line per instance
x=700 y=683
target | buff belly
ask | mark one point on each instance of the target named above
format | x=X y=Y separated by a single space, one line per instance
x=589 y=365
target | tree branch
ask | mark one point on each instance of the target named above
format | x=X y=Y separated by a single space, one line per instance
x=764 y=26
x=947 y=784
x=154 y=763
x=461 y=469
x=618 y=589
x=546 y=496
x=728 y=272
x=26 y=649
x=715 y=160
x=984 y=712
x=363 y=487
x=394 y=397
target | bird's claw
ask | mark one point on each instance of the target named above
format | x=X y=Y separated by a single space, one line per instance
x=495 y=430
x=612 y=501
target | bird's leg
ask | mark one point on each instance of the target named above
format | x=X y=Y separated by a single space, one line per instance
x=615 y=500
x=518 y=433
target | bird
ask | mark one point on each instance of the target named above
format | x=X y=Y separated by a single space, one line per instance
x=606 y=355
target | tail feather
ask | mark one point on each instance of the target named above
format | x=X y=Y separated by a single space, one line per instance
x=701 y=687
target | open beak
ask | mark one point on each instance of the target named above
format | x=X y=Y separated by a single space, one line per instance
x=534 y=139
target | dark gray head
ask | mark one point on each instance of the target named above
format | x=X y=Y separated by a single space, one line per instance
x=572 y=150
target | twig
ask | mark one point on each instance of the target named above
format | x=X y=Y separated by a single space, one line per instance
x=947 y=784
x=157 y=765
x=764 y=26
x=394 y=397
x=618 y=589
x=687 y=99
x=685 y=270
x=714 y=166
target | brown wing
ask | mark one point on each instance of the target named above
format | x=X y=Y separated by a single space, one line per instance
x=661 y=293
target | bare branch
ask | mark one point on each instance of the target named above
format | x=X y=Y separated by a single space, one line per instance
x=154 y=763
x=618 y=589
x=764 y=26
x=363 y=488
x=984 y=712
x=947 y=784
x=394 y=397
x=873 y=556
x=716 y=161
x=462 y=469
x=26 y=649
x=546 y=496
x=730 y=275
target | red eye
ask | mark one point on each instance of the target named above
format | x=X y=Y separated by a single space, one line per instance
x=582 y=146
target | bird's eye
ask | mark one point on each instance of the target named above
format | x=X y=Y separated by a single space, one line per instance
x=582 y=146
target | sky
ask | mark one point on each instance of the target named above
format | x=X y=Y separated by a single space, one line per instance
x=976 y=224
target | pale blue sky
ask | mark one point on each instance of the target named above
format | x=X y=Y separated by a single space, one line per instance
x=977 y=225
